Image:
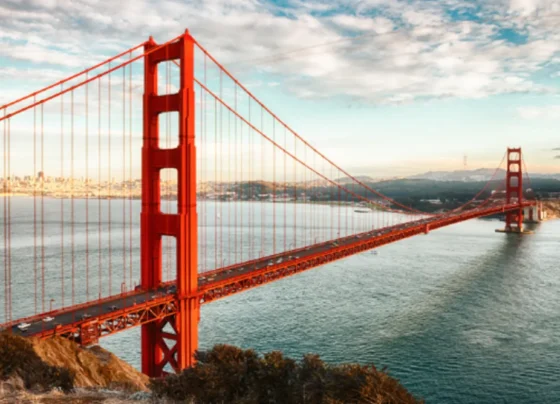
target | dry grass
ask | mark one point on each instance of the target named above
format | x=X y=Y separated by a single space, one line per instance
x=92 y=367
x=59 y=371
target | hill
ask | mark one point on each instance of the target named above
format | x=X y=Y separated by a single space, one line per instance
x=480 y=174
x=60 y=371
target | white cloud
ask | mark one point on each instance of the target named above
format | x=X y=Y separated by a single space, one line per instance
x=409 y=50
x=378 y=25
x=528 y=7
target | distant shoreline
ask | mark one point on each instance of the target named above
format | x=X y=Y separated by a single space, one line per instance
x=551 y=206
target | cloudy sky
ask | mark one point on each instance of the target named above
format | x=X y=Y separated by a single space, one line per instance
x=384 y=87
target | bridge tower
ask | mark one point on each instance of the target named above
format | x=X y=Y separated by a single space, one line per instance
x=514 y=190
x=156 y=353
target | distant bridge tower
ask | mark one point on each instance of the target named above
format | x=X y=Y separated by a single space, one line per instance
x=514 y=190
x=181 y=330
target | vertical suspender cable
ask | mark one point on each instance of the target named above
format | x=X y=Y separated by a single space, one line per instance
x=251 y=181
x=72 y=194
x=109 y=190
x=130 y=181
x=285 y=190
x=295 y=196
x=229 y=189
x=238 y=188
x=221 y=218
x=262 y=188
x=123 y=182
x=62 y=199
x=204 y=230
x=10 y=300
x=35 y=269
x=99 y=211
x=42 y=210
x=87 y=187
x=5 y=218
x=216 y=263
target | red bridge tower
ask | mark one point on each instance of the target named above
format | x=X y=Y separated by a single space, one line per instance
x=514 y=190
x=156 y=353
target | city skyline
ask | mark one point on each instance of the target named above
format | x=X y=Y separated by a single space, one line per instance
x=383 y=88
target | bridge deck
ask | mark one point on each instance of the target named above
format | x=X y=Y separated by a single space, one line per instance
x=89 y=321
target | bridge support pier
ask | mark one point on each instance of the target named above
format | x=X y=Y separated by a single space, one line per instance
x=181 y=329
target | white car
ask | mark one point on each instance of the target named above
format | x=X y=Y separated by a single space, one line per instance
x=24 y=326
x=48 y=319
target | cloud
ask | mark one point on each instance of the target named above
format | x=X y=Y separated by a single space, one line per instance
x=379 y=25
x=556 y=157
x=545 y=112
x=408 y=50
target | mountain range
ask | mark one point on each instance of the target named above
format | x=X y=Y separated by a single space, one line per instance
x=481 y=174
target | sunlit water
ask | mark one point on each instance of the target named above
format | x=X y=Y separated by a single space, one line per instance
x=462 y=315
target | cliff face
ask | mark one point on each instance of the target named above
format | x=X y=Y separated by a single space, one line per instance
x=59 y=371
x=92 y=367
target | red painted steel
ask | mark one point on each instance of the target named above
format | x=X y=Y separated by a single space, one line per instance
x=219 y=289
x=514 y=189
x=156 y=354
x=162 y=308
x=169 y=312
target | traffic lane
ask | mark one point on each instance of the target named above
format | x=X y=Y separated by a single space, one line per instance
x=119 y=303
x=94 y=310
x=233 y=272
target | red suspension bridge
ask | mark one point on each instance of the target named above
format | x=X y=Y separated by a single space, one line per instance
x=228 y=201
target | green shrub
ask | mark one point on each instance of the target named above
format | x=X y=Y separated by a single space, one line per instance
x=228 y=374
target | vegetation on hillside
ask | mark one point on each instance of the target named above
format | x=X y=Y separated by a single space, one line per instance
x=227 y=374
x=410 y=192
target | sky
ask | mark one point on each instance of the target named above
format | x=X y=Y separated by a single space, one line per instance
x=383 y=87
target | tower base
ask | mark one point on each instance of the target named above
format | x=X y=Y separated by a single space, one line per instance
x=514 y=231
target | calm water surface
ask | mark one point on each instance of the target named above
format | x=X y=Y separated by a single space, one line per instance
x=462 y=315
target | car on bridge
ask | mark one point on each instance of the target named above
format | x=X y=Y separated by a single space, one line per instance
x=24 y=326
x=48 y=319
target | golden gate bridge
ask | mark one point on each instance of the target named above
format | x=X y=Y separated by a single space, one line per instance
x=200 y=123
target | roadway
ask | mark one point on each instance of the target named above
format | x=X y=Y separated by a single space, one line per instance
x=89 y=311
